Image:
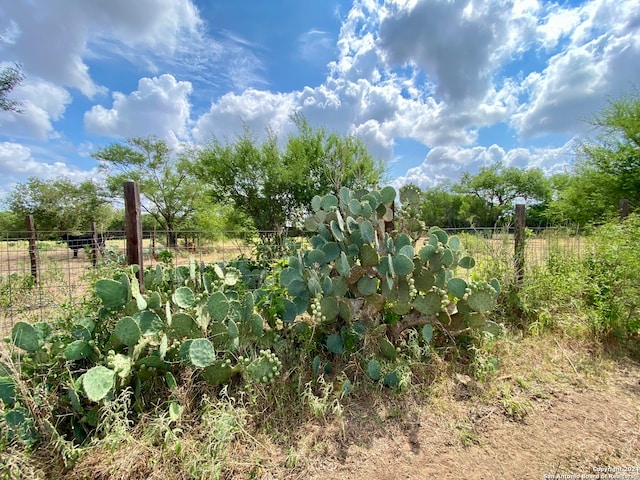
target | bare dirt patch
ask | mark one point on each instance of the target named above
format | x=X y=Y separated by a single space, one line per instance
x=576 y=426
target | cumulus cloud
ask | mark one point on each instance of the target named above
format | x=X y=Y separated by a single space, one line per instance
x=599 y=60
x=447 y=163
x=159 y=106
x=53 y=41
x=43 y=103
x=18 y=162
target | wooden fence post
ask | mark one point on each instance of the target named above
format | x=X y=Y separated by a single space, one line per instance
x=94 y=245
x=519 y=238
x=133 y=228
x=624 y=208
x=33 y=255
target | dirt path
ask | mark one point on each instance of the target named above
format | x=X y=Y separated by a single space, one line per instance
x=567 y=431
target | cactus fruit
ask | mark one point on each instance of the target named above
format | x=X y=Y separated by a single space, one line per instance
x=264 y=368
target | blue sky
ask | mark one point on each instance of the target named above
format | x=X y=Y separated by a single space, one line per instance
x=434 y=87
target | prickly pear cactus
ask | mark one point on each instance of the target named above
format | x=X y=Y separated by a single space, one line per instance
x=360 y=269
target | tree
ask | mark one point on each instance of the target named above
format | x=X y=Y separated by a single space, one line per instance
x=269 y=184
x=613 y=158
x=441 y=207
x=10 y=77
x=494 y=189
x=170 y=192
x=60 y=205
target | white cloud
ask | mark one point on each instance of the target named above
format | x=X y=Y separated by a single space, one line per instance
x=446 y=163
x=17 y=163
x=255 y=109
x=53 y=38
x=599 y=61
x=43 y=103
x=160 y=107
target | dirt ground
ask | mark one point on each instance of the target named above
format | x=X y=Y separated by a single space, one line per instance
x=574 y=427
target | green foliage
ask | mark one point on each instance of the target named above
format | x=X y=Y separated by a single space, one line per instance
x=613 y=269
x=10 y=78
x=270 y=185
x=60 y=205
x=171 y=192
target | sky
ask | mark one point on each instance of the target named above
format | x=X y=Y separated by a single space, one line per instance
x=433 y=87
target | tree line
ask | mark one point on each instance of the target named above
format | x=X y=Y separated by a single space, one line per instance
x=249 y=183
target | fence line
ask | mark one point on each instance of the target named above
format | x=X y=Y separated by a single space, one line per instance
x=63 y=280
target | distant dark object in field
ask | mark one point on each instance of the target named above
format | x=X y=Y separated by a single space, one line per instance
x=77 y=242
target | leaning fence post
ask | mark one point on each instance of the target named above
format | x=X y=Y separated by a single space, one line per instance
x=133 y=228
x=32 y=247
x=519 y=238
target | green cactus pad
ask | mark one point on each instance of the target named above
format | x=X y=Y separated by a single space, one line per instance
x=339 y=287
x=184 y=297
x=264 y=368
x=367 y=286
x=149 y=322
x=481 y=301
x=335 y=344
x=402 y=265
x=427 y=333
x=366 y=231
x=127 y=331
x=98 y=382
x=467 y=262
x=329 y=308
x=427 y=252
x=354 y=207
x=315 y=256
x=391 y=379
x=316 y=201
x=155 y=301
x=440 y=234
x=424 y=280
x=342 y=265
x=7 y=390
x=454 y=243
x=337 y=232
x=114 y=295
x=387 y=195
x=428 y=304
x=374 y=369
x=218 y=373
x=77 y=350
x=331 y=251
x=328 y=202
x=201 y=353
x=256 y=325
x=183 y=325
x=369 y=256
x=218 y=306
x=26 y=337
x=387 y=349
x=457 y=287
